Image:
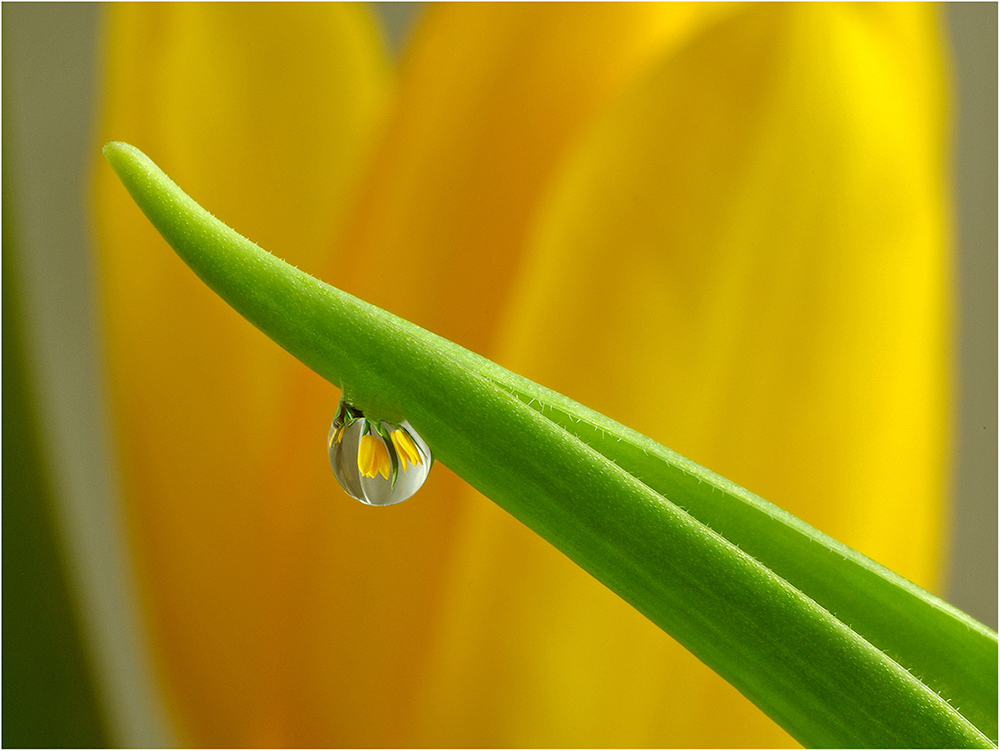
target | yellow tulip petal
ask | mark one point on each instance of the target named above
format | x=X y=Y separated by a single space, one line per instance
x=381 y=464
x=789 y=250
x=366 y=453
x=406 y=449
x=266 y=113
x=746 y=259
x=492 y=96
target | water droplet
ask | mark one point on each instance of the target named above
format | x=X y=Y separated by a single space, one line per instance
x=378 y=463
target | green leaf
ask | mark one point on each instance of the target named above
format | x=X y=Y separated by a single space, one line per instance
x=835 y=648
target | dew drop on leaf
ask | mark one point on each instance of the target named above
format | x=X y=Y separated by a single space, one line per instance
x=378 y=463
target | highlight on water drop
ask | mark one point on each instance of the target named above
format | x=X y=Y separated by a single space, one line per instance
x=376 y=462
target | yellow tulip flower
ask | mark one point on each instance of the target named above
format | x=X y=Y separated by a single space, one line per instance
x=373 y=457
x=406 y=449
x=688 y=217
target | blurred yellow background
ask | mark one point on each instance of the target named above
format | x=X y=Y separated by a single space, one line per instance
x=488 y=182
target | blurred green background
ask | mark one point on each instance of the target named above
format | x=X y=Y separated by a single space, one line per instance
x=75 y=672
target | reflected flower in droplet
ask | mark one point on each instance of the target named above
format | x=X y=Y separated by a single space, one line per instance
x=376 y=462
